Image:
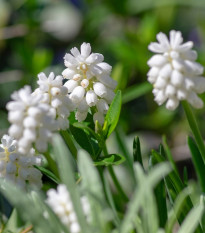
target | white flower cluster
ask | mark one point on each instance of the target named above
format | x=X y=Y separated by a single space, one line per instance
x=31 y=120
x=174 y=73
x=34 y=116
x=56 y=96
x=16 y=167
x=89 y=82
x=62 y=206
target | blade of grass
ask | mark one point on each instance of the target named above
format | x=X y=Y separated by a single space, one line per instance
x=194 y=128
x=198 y=162
x=62 y=155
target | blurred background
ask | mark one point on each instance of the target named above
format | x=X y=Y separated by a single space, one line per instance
x=36 y=34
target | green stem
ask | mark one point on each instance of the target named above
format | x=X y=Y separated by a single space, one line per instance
x=195 y=129
x=114 y=178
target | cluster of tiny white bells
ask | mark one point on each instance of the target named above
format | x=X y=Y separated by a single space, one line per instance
x=35 y=115
x=61 y=204
x=16 y=167
x=174 y=73
x=89 y=82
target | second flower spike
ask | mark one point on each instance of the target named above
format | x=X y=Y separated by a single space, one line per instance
x=174 y=73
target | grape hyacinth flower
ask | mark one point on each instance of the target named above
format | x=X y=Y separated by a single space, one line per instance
x=174 y=72
x=56 y=96
x=32 y=122
x=16 y=167
x=61 y=204
x=89 y=84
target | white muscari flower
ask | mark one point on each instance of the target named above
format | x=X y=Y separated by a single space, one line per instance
x=17 y=167
x=98 y=116
x=89 y=80
x=28 y=117
x=61 y=204
x=55 y=94
x=174 y=73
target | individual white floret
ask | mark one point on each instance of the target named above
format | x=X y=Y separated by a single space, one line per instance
x=61 y=204
x=55 y=94
x=89 y=80
x=98 y=116
x=28 y=117
x=17 y=167
x=174 y=73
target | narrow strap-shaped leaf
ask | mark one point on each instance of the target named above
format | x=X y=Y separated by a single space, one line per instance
x=154 y=176
x=32 y=209
x=192 y=220
x=137 y=156
x=111 y=202
x=169 y=155
x=123 y=147
x=62 y=155
x=49 y=174
x=160 y=195
x=14 y=222
x=175 y=186
x=177 y=209
x=69 y=142
x=195 y=128
x=198 y=162
x=112 y=115
x=93 y=189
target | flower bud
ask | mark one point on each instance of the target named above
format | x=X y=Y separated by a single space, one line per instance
x=83 y=106
x=98 y=117
x=100 y=89
x=15 y=131
x=84 y=83
x=102 y=106
x=80 y=116
x=91 y=98
x=29 y=122
x=55 y=91
x=71 y=84
x=77 y=94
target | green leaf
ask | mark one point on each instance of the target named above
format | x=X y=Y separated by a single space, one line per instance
x=146 y=184
x=174 y=187
x=111 y=159
x=137 y=156
x=112 y=115
x=198 y=162
x=63 y=158
x=160 y=195
x=87 y=129
x=136 y=91
x=92 y=187
x=14 y=223
x=168 y=154
x=111 y=201
x=192 y=220
x=177 y=208
x=91 y=179
x=122 y=144
x=69 y=142
x=49 y=174
x=84 y=140
x=32 y=208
